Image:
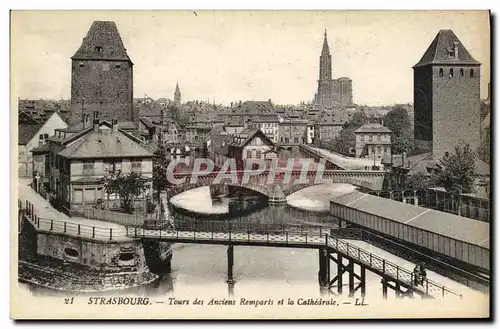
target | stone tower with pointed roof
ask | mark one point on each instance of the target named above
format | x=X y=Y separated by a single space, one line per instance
x=102 y=76
x=446 y=97
x=177 y=95
x=331 y=92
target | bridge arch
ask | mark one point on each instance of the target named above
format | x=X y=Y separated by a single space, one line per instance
x=369 y=182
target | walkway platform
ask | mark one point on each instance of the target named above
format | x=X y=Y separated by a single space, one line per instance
x=373 y=263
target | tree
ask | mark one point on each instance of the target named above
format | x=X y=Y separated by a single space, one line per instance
x=420 y=181
x=457 y=174
x=160 y=165
x=127 y=187
x=483 y=151
x=347 y=139
x=398 y=121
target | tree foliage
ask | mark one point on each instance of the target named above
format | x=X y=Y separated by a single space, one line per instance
x=483 y=151
x=127 y=187
x=160 y=165
x=347 y=139
x=420 y=181
x=457 y=174
x=484 y=109
x=398 y=121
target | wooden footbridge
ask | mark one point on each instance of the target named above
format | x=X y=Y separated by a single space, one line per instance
x=331 y=248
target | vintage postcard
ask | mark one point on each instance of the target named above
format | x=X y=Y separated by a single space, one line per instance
x=250 y=164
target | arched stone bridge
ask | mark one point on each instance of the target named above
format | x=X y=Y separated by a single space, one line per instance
x=282 y=186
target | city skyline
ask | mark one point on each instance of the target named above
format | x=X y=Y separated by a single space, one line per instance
x=232 y=66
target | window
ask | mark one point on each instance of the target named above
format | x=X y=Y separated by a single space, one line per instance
x=98 y=49
x=386 y=149
x=370 y=138
x=118 y=66
x=441 y=73
x=362 y=138
x=379 y=137
x=136 y=166
x=471 y=73
x=379 y=149
x=446 y=154
x=105 y=67
x=88 y=167
x=81 y=64
x=295 y=140
x=451 y=73
x=461 y=72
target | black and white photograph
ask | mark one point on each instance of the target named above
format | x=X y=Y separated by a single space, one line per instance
x=250 y=164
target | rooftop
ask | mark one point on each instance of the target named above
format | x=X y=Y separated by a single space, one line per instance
x=446 y=48
x=446 y=224
x=26 y=133
x=372 y=128
x=105 y=143
x=103 y=41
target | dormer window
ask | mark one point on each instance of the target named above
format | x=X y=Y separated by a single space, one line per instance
x=98 y=49
x=451 y=52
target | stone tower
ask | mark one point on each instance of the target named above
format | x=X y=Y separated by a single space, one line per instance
x=446 y=97
x=177 y=95
x=102 y=76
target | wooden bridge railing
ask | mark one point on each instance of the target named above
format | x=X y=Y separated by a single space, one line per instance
x=295 y=239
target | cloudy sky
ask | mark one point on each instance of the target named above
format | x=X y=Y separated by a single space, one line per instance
x=229 y=56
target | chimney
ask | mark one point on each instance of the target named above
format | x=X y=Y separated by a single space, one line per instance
x=114 y=124
x=95 y=122
x=455 y=49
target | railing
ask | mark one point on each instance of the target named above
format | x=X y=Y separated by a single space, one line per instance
x=294 y=239
x=116 y=217
x=436 y=265
x=462 y=205
x=70 y=228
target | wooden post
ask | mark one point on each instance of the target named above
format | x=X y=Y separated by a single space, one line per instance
x=339 y=273
x=351 y=277
x=398 y=290
x=322 y=269
x=230 y=263
x=384 y=287
x=363 y=281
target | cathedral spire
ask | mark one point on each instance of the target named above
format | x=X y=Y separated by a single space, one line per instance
x=177 y=94
x=326 y=49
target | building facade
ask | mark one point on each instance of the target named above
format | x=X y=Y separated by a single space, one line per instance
x=446 y=97
x=331 y=92
x=102 y=76
x=33 y=135
x=373 y=140
x=78 y=162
